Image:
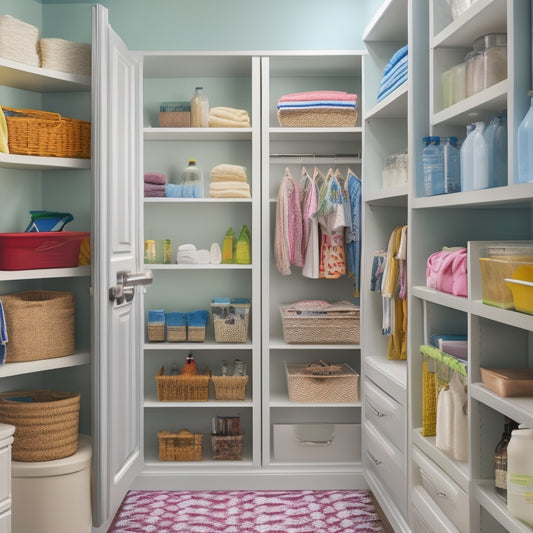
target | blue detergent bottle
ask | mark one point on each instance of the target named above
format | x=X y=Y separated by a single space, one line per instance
x=496 y=137
x=525 y=145
x=432 y=161
x=452 y=165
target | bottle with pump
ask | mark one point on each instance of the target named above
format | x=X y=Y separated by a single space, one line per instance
x=192 y=181
x=199 y=109
x=525 y=145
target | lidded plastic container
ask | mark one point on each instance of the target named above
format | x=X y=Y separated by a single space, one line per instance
x=199 y=109
x=494 y=49
x=520 y=475
x=475 y=72
x=192 y=181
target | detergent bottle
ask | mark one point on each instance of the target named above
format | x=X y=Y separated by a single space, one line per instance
x=520 y=475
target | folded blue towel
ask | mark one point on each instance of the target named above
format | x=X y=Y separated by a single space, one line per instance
x=392 y=88
x=3 y=335
x=317 y=103
x=173 y=191
x=197 y=318
x=223 y=301
x=237 y=301
x=397 y=56
x=394 y=74
x=156 y=316
x=176 y=319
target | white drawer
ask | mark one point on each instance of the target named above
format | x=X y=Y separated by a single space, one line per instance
x=445 y=493
x=386 y=414
x=5 y=472
x=326 y=443
x=387 y=464
x=427 y=516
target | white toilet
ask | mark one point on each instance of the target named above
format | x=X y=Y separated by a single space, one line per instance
x=53 y=496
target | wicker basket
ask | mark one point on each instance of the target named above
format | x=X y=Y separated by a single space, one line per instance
x=175 y=114
x=230 y=322
x=156 y=332
x=19 y=41
x=180 y=446
x=33 y=132
x=317 y=118
x=178 y=388
x=226 y=448
x=196 y=333
x=40 y=325
x=429 y=398
x=229 y=387
x=66 y=56
x=174 y=333
x=341 y=386
x=317 y=322
x=46 y=423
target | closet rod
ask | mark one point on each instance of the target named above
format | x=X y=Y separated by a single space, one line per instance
x=318 y=158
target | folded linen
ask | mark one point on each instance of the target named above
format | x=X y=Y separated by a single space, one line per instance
x=396 y=58
x=176 y=319
x=226 y=185
x=228 y=171
x=203 y=257
x=155 y=177
x=311 y=104
x=217 y=122
x=156 y=316
x=187 y=255
x=182 y=191
x=229 y=113
x=394 y=74
x=152 y=190
x=230 y=193
x=318 y=95
x=197 y=318
x=382 y=95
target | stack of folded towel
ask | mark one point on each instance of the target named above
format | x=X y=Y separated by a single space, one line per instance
x=332 y=107
x=228 y=117
x=395 y=73
x=182 y=191
x=189 y=255
x=228 y=181
x=154 y=184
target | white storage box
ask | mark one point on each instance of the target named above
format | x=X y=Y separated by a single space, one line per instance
x=66 y=56
x=19 y=41
x=327 y=443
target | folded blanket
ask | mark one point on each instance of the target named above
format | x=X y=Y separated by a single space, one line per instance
x=318 y=95
x=396 y=58
x=176 y=319
x=156 y=316
x=155 y=177
x=229 y=113
x=230 y=193
x=217 y=122
x=226 y=185
x=197 y=318
x=226 y=171
x=182 y=191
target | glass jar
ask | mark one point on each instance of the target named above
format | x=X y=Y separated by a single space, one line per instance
x=494 y=58
x=199 y=109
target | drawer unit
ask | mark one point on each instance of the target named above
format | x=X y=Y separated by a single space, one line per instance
x=6 y=438
x=386 y=414
x=428 y=517
x=386 y=462
x=445 y=493
x=5 y=521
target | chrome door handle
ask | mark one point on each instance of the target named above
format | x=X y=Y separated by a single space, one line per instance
x=124 y=290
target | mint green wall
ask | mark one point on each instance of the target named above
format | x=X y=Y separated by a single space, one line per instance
x=219 y=24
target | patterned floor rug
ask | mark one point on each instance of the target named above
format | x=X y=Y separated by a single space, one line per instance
x=300 y=511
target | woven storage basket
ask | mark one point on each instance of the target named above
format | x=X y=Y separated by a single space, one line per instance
x=429 y=398
x=19 y=41
x=174 y=333
x=46 y=423
x=230 y=322
x=196 y=333
x=66 y=56
x=181 y=446
x=156 y=332
x=320 y=323
x=33 y=132
x=178 y=388
x=226 y=448
x=229 y=387
x=40 y=325
x=342 y=386
x=317 y=118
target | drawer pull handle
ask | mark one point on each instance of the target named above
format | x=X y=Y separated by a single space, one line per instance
x=316 y=442
x=377 y=462
x=440 y=494
x=437 y=492
x=376 y=412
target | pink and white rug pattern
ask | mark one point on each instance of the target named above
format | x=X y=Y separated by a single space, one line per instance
x=300 y=511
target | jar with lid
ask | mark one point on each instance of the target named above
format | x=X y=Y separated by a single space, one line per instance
x=199 y=109
x=192 y=181
x=475 y=72
x=494 y=49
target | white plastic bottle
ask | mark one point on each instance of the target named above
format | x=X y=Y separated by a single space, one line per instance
x=199 y=109
x=467 y=164
x=520 y=475
x=496 y=137
x=525 y=145
x=475 y=160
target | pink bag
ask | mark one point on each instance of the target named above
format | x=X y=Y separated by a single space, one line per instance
x=446 y=272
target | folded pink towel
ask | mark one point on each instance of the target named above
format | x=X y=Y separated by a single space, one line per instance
x=155 y=177
x=318 y=95
x=152 y=189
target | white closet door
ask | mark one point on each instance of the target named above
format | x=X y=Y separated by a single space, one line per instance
x=117 y=247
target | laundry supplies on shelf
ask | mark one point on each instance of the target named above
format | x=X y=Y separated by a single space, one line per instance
x=228 y=117
x=175 y=326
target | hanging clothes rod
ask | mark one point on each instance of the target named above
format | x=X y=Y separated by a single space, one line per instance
x=318 y=158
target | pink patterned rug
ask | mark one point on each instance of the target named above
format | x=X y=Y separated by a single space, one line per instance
x=247 y=511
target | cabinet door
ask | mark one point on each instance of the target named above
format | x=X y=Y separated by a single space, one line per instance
x=117 y=222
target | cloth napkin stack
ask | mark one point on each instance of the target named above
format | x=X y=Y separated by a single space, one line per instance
x=154 y=184
x=228 y=117
x=228 y=181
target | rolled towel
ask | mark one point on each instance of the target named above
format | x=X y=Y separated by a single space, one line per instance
x=215 y=254
x=217 y=122
x=176 y=319
x=318 y=95
x=173 y=191
x=155 y=177
x=203 y=257
x=197 y=318
x=156 y=316
x=226 y=171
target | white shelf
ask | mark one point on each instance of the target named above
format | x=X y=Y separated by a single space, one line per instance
x=45 y=273
x=33 y=162
x=441 y=298
x=280 y=344
x=208 y=345
x=197 y=134
x=393 y=106
x=159 y=200
x=153 y=403
x=315 y=134
x=29 y=367
x=389 y=23
x=504 y=316
x=282 y=400
x=159 y=266
x=390 y=197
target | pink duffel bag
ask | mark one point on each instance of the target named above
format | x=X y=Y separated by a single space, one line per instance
x=446 y=272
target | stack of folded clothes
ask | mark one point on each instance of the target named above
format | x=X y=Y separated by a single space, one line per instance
x=229 y=181
x=154 y=184
x=318 y=109
x=228 y=117
x=189 y=255
x=395 y=73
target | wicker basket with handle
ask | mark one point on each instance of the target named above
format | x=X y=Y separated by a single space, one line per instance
x=46 y=423
x=182 y=388
x=181 y=446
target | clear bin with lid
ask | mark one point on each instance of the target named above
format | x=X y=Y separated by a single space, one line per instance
x=493 y=46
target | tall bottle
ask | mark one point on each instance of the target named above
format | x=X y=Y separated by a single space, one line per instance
x=433 y=164
x=199 y=109
x=520 y=475
x=500 y=459
x=475 y=160
x=452 y=165
x=496 y=137
x=525 y=145
x=192 y=181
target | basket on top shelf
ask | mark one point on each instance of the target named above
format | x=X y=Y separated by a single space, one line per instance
x=181 y=446
x=182 y=388
x=229 y=388
x=42 y=133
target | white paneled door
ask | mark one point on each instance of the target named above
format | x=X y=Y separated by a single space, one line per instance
x=117 y=257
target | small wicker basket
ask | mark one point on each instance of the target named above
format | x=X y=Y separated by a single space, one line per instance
x=230 y=322
x=226 y=447
x=182 y=388
x=19 y=41
x=181 y=446
x=174 y=333
x=34 y=132
x=317 y=118
x=46 y=423
x=229 y=387
x=66 y=56
x=196 y=333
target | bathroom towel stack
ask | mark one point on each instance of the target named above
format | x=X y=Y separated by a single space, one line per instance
x=395 y=73
x=154 y=184
x=229 y=181
x=318 y=109
x=228 y=117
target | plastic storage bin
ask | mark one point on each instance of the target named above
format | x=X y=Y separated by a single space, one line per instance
x=522 y=294
x=47 y=249
x=509 y=381
x=53 y=496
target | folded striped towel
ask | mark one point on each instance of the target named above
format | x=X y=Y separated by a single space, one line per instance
x=318 y=95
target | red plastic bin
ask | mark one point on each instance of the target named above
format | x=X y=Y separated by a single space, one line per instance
x=46 y=249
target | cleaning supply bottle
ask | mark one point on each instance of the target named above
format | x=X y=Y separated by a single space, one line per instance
x=242 y=249
x=432 y=162
x=452 y=165
x=525 y=145
x=520 y=475
x=199 y=109
x=474 y=160
x=496 y=137
x=500 y=459
x=192 y=181
x=228 y=246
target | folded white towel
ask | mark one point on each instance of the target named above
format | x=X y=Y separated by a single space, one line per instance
x=203 y=257
x=226 y=185
x=226 y=171
x=230 y=193
x=229 y=113
x=217 y=122
x=215 y=254
x=187 y=255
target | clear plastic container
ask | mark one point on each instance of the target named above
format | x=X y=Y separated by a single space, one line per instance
x=496 y=137
x=452 y=165
x=433 y=164
x=448 y=89
x=459 y=82
x=494 y=48
x=525 y=145
x=192 y=181
x=475 y=72
x=199 y=109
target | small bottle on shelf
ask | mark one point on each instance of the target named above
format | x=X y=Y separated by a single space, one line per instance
x=199 y=109
x=500 y=459
x=192 y=181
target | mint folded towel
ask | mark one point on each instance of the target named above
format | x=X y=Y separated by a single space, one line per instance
x=156 y=316
x=197 y=318
x=176 y=319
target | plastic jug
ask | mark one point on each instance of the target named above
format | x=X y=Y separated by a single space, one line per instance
x=520 y=475
x=192 y=181
x=199 y=109
x=525 y=145
x=433 y=164
x=475 y=160
x=496 y=137
x=452 y=165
